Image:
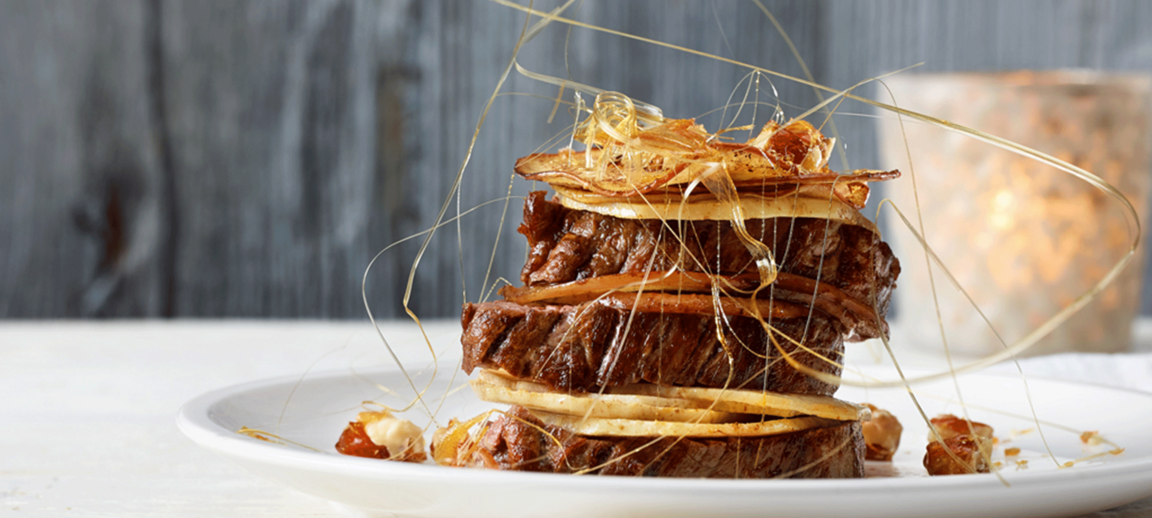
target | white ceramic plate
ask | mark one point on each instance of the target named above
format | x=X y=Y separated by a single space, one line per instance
x=322 y=404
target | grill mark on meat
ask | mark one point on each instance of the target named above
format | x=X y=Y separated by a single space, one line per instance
x=496 y=325
x=588 y=346
x=540 y=221
x=515 y=442
x=567 y=245
x=532 y=328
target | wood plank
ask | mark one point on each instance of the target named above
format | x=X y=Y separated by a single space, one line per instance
x=270 y=115
x=81 y=224
x=246 y=159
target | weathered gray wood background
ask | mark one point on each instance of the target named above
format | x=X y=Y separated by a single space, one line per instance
x=190 y=158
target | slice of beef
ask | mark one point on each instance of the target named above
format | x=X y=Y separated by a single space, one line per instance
x=687 y=292
x=519 y=441
x=567 y=245
x=588 y=346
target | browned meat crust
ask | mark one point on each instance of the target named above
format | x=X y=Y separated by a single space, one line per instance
x=588 y=346
x=567 y=245
x=834 y=452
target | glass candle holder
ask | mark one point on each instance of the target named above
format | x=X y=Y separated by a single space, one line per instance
x=1022 y=238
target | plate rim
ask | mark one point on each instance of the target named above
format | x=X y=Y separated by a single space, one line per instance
x=194 y=422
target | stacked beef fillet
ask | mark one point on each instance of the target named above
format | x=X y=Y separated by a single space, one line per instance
x=592 y=346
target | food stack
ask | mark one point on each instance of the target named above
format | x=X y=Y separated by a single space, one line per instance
x=684 y=308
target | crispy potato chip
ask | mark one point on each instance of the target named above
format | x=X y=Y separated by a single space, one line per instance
x=731 y=401
x=596 y=426
x=642 y=408
x=774 y=402
x=624 y=159
x=711 y=208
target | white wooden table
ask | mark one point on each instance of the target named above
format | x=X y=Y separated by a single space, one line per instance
x=87 y=409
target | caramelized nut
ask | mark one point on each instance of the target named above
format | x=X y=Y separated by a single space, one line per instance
x=881 y=434
x=965 y=456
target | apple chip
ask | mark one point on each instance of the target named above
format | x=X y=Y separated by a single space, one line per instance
x=731 y=401
x=595 y=426
x=641 y=408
